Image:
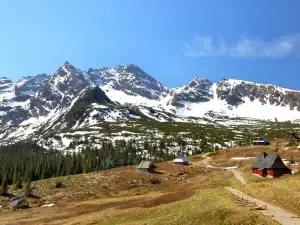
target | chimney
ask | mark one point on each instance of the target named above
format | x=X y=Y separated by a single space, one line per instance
x=265 y=154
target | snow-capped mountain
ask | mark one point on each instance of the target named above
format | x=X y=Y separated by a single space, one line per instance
x=129 y=80
x=40 y=104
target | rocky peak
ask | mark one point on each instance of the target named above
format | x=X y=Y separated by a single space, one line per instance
x=59 y=90
x=199 y=83
x=66 y=69
x=133 y=81
x=29 y=85
x=198 y=90
x=4 y=80
x=5 y=84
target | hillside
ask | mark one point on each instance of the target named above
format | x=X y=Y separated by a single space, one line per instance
x=191 y=194
x=194 y=194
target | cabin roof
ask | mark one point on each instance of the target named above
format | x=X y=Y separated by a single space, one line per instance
x=268 y=161
x=180 y=158
x=262 y=137
x=145 y=165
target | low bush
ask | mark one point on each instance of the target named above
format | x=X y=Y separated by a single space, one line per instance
x=155 y=181
x=59 y=184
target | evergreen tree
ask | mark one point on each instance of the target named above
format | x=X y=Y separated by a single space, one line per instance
x=4 y=185
x=27 y=189
x=17 y=183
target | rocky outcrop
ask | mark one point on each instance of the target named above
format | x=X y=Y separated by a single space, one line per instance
x=16 y=116
x=174 y=100
x=198 y=90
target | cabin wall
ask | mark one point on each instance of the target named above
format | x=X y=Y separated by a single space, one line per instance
x=271 y=172
x=151 y=170
x=258 y=172
x=181 y=163
x=261 y=173
x=259 y=143
x=280 y=172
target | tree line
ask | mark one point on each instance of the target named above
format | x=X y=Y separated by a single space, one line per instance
x=26 y=161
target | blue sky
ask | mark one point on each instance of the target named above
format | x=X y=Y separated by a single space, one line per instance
x=172 y=40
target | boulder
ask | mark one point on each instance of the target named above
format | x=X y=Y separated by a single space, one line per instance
x=18 y=203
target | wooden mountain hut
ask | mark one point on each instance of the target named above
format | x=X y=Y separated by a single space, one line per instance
x=269 y=165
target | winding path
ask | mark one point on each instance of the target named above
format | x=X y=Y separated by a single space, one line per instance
x=282 y=216
x=237 y=174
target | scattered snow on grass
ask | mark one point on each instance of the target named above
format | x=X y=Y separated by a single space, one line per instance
x=242 y=158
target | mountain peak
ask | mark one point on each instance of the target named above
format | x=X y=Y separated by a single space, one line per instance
x=67 y=63
x=65 y=69
x=199 y=81
x=126 y=66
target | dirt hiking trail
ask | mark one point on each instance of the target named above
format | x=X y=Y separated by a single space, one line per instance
x=282 y=216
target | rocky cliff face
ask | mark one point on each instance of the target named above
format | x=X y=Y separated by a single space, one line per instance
x=234 y=92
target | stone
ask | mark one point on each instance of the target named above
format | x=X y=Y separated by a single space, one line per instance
x=18 y=203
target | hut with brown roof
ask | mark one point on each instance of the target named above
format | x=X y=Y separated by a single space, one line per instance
x=269 y=165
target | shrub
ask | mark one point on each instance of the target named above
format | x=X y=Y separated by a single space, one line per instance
x=28 y=189
x=59 y=184
x=17 y=185
x=155 y=181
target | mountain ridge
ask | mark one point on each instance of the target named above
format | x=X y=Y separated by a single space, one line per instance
x=35 y=103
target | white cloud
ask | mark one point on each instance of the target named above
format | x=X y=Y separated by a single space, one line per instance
x=244 y=48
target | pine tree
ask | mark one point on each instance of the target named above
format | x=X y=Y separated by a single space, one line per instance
x=4 y=185
x=15 y=176
x=17 y=183
x=27 y=189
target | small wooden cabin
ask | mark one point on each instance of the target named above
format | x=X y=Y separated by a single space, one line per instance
x=181 y=160
x=269 y=165
x=260 y=140
x=146 y=166
x=292 y=138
